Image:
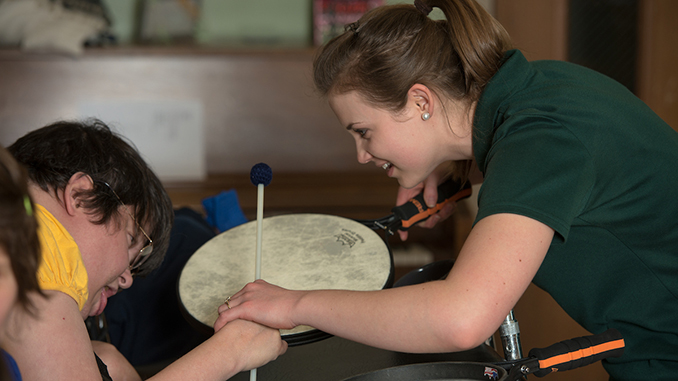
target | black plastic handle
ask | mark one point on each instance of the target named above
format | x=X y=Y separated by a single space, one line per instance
x=415 y=210
x=578 y=352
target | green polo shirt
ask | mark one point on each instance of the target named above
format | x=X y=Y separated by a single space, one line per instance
x=574 y=149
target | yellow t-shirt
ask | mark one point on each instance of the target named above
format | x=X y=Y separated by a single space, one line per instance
x=61 y=268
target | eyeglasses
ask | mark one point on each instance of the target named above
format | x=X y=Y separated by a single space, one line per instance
x=145 y=251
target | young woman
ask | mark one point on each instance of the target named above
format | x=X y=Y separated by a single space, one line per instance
x=103 y=218
x=578 y=193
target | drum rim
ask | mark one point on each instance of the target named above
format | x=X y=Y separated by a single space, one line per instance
x=381 y=373
x=307 y=337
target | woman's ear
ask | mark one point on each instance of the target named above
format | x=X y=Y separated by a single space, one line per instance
x=78 y=183
x=421 y=97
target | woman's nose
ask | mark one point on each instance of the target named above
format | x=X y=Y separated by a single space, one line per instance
x=364 y=157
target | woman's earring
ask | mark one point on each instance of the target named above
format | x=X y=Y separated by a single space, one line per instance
x=425 y=116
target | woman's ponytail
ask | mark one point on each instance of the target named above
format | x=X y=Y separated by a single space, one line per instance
x=393 y=47
x=479 y=40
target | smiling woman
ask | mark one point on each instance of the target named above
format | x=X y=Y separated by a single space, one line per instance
x=98 y=204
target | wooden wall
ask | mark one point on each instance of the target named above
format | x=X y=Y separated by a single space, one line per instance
x=258 y=106
x=658 y=57
x=538 y=28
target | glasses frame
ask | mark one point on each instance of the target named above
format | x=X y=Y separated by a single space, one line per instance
x=145 y=251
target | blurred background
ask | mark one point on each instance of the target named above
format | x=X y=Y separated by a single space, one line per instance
x=229 y=81
x=207 y=88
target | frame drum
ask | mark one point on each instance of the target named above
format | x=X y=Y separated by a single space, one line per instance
x=298 y=252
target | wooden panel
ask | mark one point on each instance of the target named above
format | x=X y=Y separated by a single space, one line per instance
x=258 y=107
x=657 y=74
x=364 y=195
x=537 y=27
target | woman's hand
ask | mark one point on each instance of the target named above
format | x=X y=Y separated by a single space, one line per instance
x=260 y=302
x=257 y=344
x=238 y=346
x=430 y=188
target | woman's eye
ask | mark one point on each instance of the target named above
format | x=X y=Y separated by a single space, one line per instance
x=131 y=240
x=361 y=132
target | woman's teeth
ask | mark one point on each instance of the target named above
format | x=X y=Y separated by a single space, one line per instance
x=386 y=166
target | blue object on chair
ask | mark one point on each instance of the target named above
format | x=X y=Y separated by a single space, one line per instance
x=223 y=210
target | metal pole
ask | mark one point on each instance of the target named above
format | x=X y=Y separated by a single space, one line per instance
x=510 y=338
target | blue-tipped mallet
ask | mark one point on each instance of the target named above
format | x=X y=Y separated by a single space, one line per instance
x=261 y=176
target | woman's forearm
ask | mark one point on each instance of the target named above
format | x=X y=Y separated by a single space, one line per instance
x=398 y=319
x=238 y=346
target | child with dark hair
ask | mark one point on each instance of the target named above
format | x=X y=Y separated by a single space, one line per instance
x=104 y=218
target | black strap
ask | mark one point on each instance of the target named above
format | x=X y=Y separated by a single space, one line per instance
x=103 y=369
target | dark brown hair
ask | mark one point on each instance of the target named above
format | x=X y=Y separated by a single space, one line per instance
x=54 y=153
x=394 y=47
x=18 y=227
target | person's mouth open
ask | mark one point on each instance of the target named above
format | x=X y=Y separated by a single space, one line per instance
x=103 y=300
x=388 y=167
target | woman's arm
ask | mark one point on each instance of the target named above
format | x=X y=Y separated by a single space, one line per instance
x=56 y=346
x=238 y=346
x=495 y=266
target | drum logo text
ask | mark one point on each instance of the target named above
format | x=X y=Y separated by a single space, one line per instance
x=348 y=237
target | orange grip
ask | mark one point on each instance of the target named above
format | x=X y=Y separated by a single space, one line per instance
x=426 y=212
x=578 y=352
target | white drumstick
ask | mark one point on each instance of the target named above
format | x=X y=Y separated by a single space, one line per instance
x=260 y=223
x=260 y=175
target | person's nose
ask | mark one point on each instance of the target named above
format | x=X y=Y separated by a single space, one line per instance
x=364 y=157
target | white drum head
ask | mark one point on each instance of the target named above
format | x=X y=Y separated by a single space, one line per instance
x=299 y=252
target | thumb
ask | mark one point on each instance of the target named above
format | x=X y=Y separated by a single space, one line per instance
x=431 y=191
x=403 y=235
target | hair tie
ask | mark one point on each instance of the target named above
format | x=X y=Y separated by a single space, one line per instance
x=423 y=8
x=353 y=27
x=28 y=206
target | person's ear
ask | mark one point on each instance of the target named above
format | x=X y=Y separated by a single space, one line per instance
x=421 y=98
x=78 y=183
